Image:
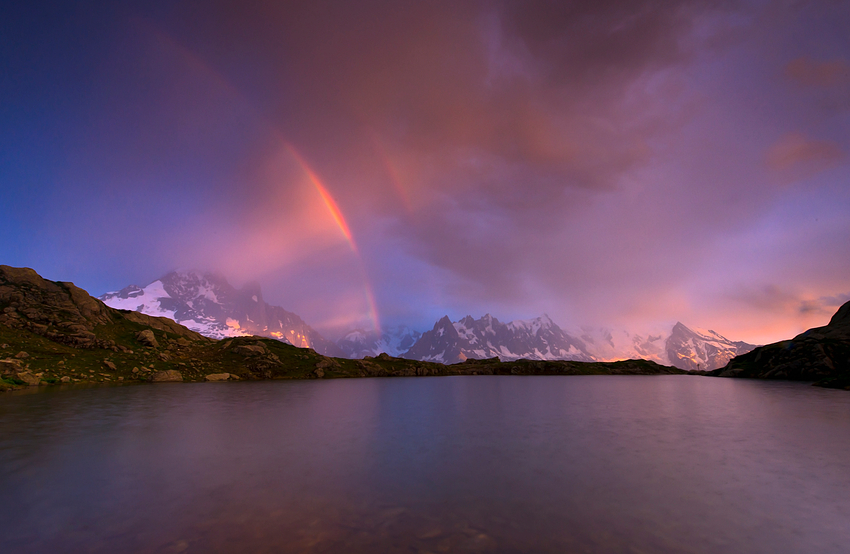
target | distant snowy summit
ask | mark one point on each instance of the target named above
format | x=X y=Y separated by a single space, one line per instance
x=395 y=341
x=537 y=339
x=208 y=304
x=682 y=347
x=701 y=349
x=541 y=339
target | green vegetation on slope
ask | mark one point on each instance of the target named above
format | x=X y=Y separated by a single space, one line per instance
x=54 y=333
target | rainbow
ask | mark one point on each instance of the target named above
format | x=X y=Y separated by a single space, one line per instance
x=339 y=219
x=329 y=201
x=191 y=59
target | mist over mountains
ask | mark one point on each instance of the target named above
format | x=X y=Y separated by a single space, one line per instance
x=208 y=304
x=395 y=341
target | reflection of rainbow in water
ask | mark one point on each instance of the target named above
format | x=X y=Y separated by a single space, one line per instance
x=335 y=212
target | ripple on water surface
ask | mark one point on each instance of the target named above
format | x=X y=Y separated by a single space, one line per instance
x=445 y=464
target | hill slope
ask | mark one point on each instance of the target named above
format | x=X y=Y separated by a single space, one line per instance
x=821 y=354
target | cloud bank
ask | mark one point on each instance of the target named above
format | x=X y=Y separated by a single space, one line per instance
x=616 y=162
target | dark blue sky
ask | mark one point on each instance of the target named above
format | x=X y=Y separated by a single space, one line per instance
x=618 y=163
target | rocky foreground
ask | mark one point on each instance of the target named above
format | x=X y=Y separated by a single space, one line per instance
x=54 y=332
x=821 y=355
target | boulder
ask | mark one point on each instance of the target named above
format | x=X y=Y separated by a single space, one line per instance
x=147 y=338
x=28 y=378
x=217 y=377
x=168 y=376
x=326 y=362
x=22 y=355
x=250 y=349
x=10 y=365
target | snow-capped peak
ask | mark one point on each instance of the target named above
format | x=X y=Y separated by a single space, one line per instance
x=487 y=337
x=205 y=302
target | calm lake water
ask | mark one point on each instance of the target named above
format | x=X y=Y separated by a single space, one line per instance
x=443 y=464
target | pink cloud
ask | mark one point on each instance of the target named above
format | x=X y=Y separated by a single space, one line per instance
x=794 y=151
x=809 y=72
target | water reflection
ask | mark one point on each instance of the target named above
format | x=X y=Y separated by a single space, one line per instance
x=478 y=464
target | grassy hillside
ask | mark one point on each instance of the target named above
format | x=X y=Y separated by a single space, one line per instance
x=53 y=333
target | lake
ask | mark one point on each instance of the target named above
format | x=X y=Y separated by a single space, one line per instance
x=585 y=464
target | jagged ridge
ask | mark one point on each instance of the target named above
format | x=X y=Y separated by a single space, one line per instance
x=209 y=304
x=487 y=337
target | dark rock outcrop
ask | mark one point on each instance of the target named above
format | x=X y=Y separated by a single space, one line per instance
x=147 y=338
x=821 y=354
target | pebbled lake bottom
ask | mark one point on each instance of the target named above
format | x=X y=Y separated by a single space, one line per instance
x=585 y=464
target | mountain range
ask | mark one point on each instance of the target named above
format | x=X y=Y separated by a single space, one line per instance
x=684 y=347
x=53 y=332
x=208 y=304
x=537 y=339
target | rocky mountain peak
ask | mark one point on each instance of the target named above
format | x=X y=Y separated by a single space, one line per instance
x=690 y=349
x=443 y=323
x=487 y=337
x=207 y=303
x=841 y=317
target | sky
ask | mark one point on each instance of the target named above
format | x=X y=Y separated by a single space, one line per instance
x=625 y=164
